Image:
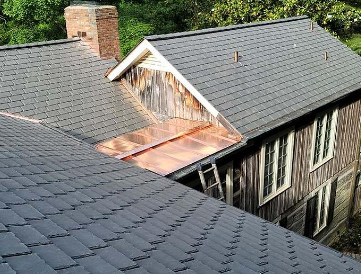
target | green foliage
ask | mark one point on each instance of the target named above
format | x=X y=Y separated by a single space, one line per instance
x=32 y=20
x=141 y=18
x=23 y=21
x=34 y=11
x=353 y=3
x=333 y=15
x=354 y=42
x=131 y=31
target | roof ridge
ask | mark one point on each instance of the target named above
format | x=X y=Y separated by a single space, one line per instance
x=39 y=44
x=220 y=29
x=20 y=117
x=46 y=125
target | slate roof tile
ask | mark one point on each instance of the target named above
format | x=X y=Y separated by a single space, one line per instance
x=97 y=265
x=115 y=258
x=53 y=256
x=6 y=269
x=31 y=263
x=27 y=211
x=88 y=239
x=9 y=217
x=128 y=249
x=72 y=247
x=29 y=236
x=11 y=245
x=48 y=228
x=73 y=270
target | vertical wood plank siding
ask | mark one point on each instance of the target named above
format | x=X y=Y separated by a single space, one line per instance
x=162 y=94
x=303 y=181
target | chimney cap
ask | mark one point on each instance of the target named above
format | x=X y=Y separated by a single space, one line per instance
x=87 y=2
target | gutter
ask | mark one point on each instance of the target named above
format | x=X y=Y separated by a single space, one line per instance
x=176 y=175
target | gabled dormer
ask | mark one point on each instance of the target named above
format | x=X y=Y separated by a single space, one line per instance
x=163 y=90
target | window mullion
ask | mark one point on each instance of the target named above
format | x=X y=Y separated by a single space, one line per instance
x=275 y=166
x=327 y=201
x=333 y=132
x=323 y=135
x=319 y=201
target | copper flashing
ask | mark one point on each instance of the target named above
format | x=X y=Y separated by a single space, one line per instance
x=170 y=146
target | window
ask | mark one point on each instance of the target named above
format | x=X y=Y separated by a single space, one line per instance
x=324 y=138
x=320 y=209
x=276 y=165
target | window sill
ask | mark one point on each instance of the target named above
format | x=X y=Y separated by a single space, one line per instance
x=319 y=230
x=274 y=195
x=324 y=161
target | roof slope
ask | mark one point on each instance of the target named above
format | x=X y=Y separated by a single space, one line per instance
x=280 y=75
x=62 y=83
x=65 y=207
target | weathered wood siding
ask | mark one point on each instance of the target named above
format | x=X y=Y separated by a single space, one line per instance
x=303 y=181
x=162 y=94
x=342 y=208
x=296 y=219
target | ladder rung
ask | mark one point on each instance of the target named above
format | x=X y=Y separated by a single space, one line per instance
x=211 y=186
x=209 y=169
x=215 y=184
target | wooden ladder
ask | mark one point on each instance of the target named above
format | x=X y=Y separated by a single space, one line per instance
x=218 y=182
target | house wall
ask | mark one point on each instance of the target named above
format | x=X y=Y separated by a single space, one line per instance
x=296 y=216
x=292 y=202
x=303 y=181
x=162 y=94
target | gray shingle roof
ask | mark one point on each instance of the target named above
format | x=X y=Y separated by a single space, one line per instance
x=66 y=208
x=62 y=83
x=280 y=75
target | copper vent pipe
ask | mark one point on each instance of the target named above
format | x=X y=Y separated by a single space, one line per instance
x=236 y=56
x=311 y=26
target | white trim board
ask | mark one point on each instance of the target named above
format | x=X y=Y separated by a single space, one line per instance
x=143 y=48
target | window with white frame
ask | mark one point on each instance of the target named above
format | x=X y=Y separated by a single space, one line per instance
x=324 y=138
x=321 y=208
x=276 y=165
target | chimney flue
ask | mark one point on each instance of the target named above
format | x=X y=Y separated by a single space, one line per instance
x=95 y=24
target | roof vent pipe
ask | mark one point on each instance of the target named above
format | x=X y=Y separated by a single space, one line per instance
x=236 y=56
x=311 y=26
x=326 y=55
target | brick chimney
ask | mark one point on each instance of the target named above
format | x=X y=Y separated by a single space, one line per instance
x=97 y=25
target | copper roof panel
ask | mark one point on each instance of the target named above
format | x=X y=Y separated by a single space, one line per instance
x=170 y=146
